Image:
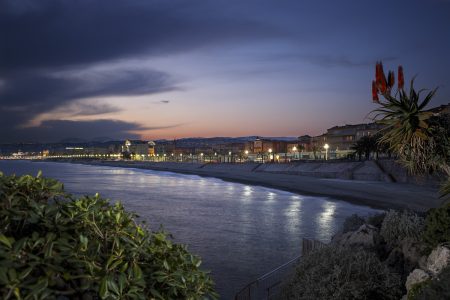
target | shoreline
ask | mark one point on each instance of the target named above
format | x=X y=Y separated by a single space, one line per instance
x=375 y=194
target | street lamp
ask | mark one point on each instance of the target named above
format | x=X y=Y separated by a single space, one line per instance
x=326 y=146
x=270 y=154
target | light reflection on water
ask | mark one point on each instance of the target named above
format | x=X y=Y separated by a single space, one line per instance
x=240 y=231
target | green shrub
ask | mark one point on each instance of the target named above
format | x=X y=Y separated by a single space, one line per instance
x=376 y=220
x=417 y=288
x=437 y=226
x=352 y=223
x=398 y=226
x=342 y=273
x=56 y=246
x=438 y=288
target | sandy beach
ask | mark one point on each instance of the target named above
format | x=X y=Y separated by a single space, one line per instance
x=376 y=194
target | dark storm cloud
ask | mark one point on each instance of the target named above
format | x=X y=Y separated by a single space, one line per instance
x=51 y=51
x=48 y=90
x=56 y=130
x=44 y=42
x=61 y=33
x=82 y=109
x=24 y=95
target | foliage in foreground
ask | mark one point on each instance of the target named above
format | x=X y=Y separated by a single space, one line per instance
x=398 y=226
x=438 y=288
x=437 y=226
x=420 y=140
x=342 y=273
x=52 y=245
x=352 y=223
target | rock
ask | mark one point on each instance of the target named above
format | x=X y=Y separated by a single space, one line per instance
x=366 y=235
x=423 y=262
x=438 y=259
x=416 y=276
x=412 y=250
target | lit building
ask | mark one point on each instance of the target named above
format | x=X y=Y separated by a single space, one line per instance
x=344 y=137
x=151 y=148
x=136 y=149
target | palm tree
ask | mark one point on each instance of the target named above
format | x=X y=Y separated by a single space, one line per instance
x=359 y=149
x=365 y=145
x=411 y=132
x=315 y=149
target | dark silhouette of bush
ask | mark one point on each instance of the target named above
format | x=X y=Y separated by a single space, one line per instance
x=437 y=226
x=342 y=273
x=376 y=220
x=55 y=246
x=352 y=223
x=398 y=226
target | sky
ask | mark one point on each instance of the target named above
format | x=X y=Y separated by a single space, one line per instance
x=195 y=68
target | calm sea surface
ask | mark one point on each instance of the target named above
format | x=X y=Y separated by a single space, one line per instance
x=240 y=231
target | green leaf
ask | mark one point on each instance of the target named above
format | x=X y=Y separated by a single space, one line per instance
x=25 y=273
x=4 y=240
x=166 y=265
x=137 y=272
x=103 y=290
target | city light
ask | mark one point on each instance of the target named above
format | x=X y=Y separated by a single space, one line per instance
x=326 y=146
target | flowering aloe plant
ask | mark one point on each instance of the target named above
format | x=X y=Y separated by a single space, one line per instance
x=410 y=131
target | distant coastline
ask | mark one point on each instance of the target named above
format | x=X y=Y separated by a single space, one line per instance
x=368 y=187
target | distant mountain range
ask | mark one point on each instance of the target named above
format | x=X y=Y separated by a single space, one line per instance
x=95 y=140
x=221 y=140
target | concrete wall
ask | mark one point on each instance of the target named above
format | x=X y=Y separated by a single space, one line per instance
x=382 y=170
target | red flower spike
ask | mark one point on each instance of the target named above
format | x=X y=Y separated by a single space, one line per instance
x=375 y=92
x=381 y=79
x=391 y=79
x=378 y=70
x=401 y=79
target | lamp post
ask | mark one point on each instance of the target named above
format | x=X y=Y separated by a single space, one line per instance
x=246 y=155
x=326 y=146
x=294 y=149
x=229 y=155
x=270 y=155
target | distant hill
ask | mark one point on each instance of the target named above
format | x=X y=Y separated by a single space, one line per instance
x=199 y=141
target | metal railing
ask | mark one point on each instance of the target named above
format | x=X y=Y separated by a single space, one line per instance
x=269 y=286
